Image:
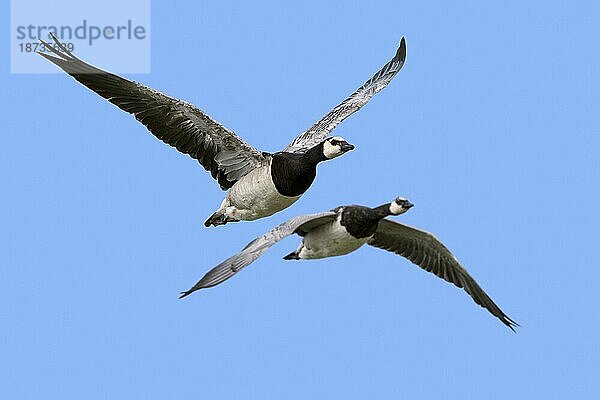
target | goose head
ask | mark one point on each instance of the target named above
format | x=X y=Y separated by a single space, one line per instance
x=400 y=205
x=335 y=146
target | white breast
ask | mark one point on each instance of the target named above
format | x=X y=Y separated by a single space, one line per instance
x=255 y=196
x=329 y=240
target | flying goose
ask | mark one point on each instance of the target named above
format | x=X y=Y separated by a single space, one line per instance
x=259 y=183
x=346 y=228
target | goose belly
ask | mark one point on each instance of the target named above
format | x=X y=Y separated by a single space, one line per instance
x=255 y=196
x=329 y=240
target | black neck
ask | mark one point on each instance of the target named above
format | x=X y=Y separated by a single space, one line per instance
x=382 y=211
x=314 y=155
x=293 y=174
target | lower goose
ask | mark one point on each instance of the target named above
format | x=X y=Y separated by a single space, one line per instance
x=345 y=229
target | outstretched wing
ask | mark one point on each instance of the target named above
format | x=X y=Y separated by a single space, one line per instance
x=175 y=122
x=424 y=250
x=319 y=131
x=257 y=247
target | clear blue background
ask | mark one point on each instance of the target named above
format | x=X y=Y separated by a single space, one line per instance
x=491 y=129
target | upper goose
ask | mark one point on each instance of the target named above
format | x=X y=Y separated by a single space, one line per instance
x=260 y=183
x=345 y=229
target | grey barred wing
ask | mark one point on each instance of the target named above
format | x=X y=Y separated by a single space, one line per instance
x=175 y=122
x=257 y=247
x=426 y=251
x=320 y=130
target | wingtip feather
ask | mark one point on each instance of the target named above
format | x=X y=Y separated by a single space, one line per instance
x=401 y=54
x=511 y=324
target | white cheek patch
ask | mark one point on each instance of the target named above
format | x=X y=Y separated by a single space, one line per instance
x=396 y=209
x=331 y=151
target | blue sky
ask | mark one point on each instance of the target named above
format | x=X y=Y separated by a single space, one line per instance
x=491 y=129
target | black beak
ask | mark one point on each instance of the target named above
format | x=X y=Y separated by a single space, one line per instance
x=408 y=205
x=347 y=146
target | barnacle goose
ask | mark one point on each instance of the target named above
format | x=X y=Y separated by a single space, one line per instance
x=345 y=229
x=259 y=183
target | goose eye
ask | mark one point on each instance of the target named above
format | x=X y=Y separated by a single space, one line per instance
x=334 y=142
